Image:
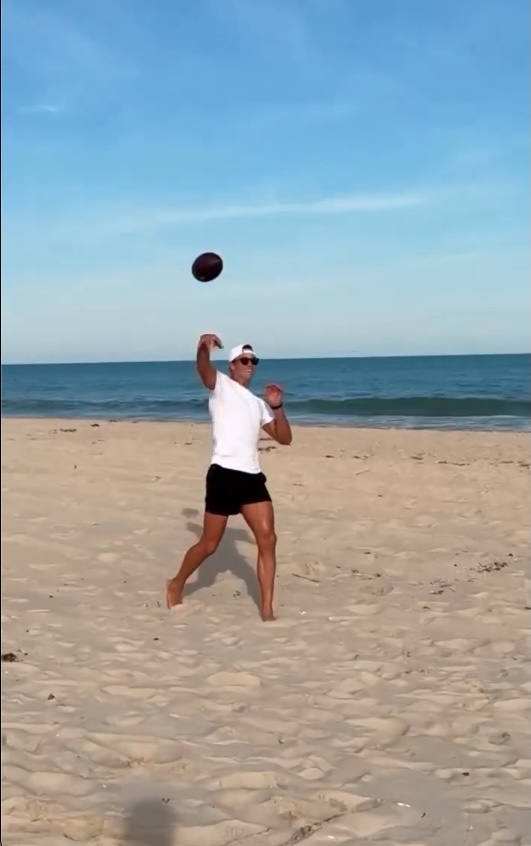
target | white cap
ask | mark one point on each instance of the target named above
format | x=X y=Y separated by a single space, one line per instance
x=239 y=350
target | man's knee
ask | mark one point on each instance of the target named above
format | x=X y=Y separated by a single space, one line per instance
x=209 y=545
x=266 y=539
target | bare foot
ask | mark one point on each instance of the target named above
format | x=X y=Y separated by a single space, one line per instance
x=174 y=593
x=267 y=615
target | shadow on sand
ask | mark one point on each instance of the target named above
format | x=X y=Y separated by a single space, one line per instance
x=227 y=558
x=149 y=822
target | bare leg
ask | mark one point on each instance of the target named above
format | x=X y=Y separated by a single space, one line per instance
x=260 y=518
x=213 y=530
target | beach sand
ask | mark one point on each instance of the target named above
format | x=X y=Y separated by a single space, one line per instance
x=389 y=703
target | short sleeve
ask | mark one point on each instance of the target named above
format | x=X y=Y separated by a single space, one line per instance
x=267 y=417
x=220 y=383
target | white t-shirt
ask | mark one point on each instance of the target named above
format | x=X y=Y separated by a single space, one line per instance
x=237 y=417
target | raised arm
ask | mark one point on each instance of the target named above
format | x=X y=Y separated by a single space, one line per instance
x=205 y=368
x=278 y=428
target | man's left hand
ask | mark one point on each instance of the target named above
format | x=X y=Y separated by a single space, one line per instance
x=273 y=395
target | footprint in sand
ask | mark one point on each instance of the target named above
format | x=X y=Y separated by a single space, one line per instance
x=245 y=680
x=513 y=706
x=108 y=557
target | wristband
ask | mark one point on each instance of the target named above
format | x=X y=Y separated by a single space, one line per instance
x=276 y=407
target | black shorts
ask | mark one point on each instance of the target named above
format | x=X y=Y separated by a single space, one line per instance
x=228 y=490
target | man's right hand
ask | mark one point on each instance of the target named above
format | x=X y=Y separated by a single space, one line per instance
x=209 y=342
x=205 y=368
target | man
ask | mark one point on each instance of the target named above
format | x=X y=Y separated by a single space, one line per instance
x=234 y=482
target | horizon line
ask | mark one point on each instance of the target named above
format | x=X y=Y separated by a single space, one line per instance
x=262 y=358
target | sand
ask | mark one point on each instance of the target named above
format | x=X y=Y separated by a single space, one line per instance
x=389 y=703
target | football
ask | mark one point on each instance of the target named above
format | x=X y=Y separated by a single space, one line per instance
x=207 y=267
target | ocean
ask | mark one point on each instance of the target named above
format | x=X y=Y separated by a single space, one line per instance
x=442 y=392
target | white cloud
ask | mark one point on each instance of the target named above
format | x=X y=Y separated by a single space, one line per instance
x=110 y=222
x=40 y=109
x=58 y=58
x=274 y=26
x=289 y=114
x=346 y=204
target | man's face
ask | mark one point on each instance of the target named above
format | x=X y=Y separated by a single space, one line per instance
x=244 y=366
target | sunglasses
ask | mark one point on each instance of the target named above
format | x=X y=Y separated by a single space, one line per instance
x=246 y=360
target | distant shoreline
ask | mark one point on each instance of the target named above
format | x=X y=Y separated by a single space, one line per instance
x=96 y=422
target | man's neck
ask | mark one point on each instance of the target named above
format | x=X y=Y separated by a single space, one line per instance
x=243 y=385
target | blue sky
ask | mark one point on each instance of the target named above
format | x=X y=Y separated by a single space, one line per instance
x=361 y=165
